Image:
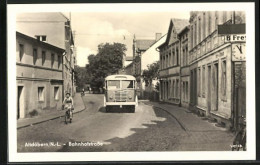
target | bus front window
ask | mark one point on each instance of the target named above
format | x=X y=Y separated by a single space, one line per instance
x=127 y=84
x=113 y=84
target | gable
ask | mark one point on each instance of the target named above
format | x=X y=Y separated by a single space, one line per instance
x=176 y=25
x=173 y=36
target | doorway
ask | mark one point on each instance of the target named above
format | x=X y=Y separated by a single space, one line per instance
x=209 y=92
x=214 y=105
x=20 y=102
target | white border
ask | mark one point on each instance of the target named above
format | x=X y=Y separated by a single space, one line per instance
x=250 y=154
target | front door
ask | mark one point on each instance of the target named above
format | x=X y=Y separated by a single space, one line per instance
x=214 y=98
x=209 y=91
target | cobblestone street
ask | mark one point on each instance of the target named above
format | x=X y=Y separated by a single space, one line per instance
x=153 y=127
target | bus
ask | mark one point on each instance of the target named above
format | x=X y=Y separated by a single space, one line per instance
x=120 y=92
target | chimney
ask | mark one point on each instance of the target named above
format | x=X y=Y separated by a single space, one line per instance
x=158 y=36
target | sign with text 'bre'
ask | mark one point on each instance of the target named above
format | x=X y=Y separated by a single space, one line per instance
x=235 y=38
x=236 y=35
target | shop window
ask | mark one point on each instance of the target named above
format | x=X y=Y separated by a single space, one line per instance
x=40 y=93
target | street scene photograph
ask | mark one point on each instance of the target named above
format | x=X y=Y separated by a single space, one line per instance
x=131 y=81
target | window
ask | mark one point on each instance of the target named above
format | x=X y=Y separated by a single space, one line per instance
x=127 y=84
x=113 y=84
x=52 y=60
x=59 y=60
x=183 y=55
x=173 y=88
x=187 y=60
x=177 y=57
x=173 y=58
x=203 y=81
x=41 y=38
x=223 y=79
x=56 y=93
x=21 y=51
x=186 y=95
x=183 y=90
x=177 y=88
x=40 y=93
x=35 y=56
x=43 y=57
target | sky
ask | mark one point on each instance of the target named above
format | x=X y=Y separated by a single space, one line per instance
x=94 y=28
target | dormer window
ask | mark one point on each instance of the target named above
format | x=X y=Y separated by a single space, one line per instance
x=41 y=38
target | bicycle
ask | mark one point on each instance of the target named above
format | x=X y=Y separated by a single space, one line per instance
x=239 y=142
x=69 y=115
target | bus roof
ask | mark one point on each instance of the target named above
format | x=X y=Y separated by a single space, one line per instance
x=120 y=77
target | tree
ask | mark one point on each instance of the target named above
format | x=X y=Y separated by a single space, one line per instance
x=152 y=73
x=108 y=60
x=82 y=76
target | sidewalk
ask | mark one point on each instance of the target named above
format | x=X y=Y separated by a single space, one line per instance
x=201 y=134
x=78 y=107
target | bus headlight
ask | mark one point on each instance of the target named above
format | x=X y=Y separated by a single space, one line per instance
x=130 y=97
x=111 y=97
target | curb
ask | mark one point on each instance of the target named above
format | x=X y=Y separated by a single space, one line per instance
x=53 y=118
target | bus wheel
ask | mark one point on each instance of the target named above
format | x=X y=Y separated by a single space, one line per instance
x=107 y=109
x=132 y=109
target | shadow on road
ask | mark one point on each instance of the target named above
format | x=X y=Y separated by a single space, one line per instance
x=159 y=133
x=115 y=110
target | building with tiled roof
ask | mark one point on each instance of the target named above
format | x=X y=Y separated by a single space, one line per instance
x=143 y=45
x=170 y=60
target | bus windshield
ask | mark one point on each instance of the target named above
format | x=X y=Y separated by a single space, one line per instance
x=127 y=84
x=113 y=84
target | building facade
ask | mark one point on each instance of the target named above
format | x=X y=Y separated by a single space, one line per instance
x=55 y=29
x=38 y=75
x=184 y=70
x=139 y=47
x=212 y=65
x=150 y=56
x=170 y=63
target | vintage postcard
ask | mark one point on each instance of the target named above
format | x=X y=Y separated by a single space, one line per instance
x=131 y=82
